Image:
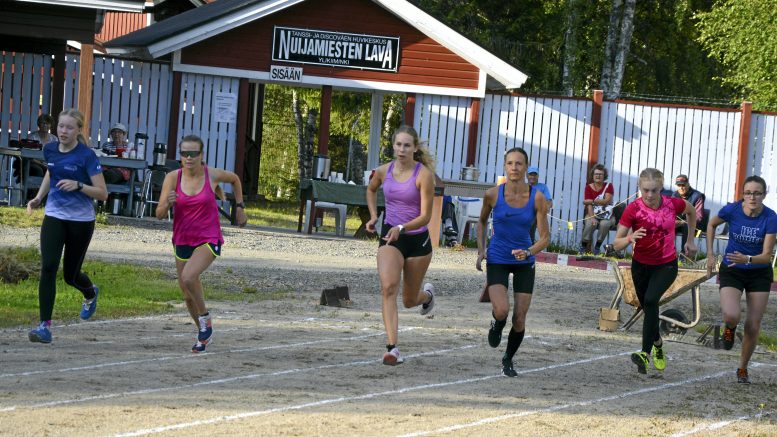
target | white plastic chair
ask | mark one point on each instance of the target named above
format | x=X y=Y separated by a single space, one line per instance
x=467 y=213
x=338 y=209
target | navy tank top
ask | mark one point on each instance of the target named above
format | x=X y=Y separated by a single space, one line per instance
x=511 y=229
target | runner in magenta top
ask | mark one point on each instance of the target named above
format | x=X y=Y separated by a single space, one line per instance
x=403 y=199
x=197 y=235
x=648 y=224
x=199 y=215
x=405 y=247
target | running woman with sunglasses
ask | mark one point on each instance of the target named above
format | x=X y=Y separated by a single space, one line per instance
x=654 y=260
x=197 y=238
x=752 y=227
x=516 y=205
x=74 y=177
x=405 y=247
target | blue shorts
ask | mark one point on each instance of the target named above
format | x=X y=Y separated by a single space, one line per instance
x=183 y=252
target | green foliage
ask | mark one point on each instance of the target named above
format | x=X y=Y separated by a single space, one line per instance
x=742 y=35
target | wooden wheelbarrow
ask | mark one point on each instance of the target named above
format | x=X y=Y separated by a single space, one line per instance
x=689 y=278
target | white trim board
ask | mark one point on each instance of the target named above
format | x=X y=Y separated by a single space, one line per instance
x=344 y=84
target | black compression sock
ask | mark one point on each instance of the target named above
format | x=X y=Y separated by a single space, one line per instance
x=514 y=342
x=390 y=346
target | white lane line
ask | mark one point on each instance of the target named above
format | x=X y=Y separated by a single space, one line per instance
x=222 y=381
x=352 y=398
x=627 y=394
x=189 y=356
x=721 y=424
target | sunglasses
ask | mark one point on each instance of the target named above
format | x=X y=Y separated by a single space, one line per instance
x=190 y=153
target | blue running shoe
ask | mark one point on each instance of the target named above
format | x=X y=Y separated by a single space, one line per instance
x=41 y=334
x=200 y=347
x=206 y=330
x=90 y=305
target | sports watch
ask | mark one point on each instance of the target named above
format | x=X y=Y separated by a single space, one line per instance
x=80 y=186
x=749 y=259
x=401 y=229
x=240 y=205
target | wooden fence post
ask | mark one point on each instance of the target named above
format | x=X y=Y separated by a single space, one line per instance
x=409 y=109
x=744 y=147
x=596 y=124
x=474 y=120
x=85 y=84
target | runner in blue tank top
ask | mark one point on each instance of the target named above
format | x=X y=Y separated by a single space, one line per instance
x=405 y=249
x=515 y=206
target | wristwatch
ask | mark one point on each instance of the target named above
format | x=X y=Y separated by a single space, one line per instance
x=749 y=259
x=401 y=229
x=240 y=205
x=80 y=186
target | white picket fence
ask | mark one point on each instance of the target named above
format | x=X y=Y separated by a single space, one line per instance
x=555 y=132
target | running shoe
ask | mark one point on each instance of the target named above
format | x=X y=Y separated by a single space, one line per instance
x=742 y=376
x=392 y=358
x=641 y=360
x=659 y=360
x=89 y=305
x=200 y=347
x=41 y=334
x=728 y=337
x=428 y=306
x=495 y=333
x=206 y=330
x=507 y=367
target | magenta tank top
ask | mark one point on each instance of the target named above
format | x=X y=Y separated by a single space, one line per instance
x=196 y=218
x=403 y=199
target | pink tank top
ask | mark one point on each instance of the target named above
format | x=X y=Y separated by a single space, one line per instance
x=657 y=246
x=196 y=218
x=403 y=199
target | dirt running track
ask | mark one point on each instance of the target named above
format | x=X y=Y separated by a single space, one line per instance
x=290 y=367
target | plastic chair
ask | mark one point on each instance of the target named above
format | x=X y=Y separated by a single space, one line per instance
x=152 y=183
x=467 y=213
x=338 y=209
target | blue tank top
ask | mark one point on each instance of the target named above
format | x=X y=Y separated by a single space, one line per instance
x=403 y=199
x=511 y=229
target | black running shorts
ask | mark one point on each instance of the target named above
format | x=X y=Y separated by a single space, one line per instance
x=183 y=252
x=523 y=276
x=747 y=280
x=410 y=246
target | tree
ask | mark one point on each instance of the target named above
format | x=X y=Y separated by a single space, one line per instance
x=617 y=46
x=742 y=36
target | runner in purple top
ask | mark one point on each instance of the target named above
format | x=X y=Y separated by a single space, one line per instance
x=752 y=228
x=405 y=248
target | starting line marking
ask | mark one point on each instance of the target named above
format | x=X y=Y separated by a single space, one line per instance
x=221 y=381
x=352 y=398
x=721 y=424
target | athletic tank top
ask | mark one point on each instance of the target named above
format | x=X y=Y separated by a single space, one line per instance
x=196 y=218
x=511 y=229
x=403 y=199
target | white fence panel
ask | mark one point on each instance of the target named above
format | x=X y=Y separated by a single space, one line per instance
x=762 y=157
x=25 y=87
x=198 y=117
x=442 y=122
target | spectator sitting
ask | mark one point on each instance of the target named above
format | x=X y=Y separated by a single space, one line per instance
x=533 y=177
x=598 y=209
x=118 y=134
x=695 y=198
x=450 y=227
x=44 y=136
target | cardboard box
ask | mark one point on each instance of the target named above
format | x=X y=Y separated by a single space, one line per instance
x=609 y=319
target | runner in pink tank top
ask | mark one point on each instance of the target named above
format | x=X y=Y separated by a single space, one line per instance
x=654 y=261
x=405 y=245
x=197 y=235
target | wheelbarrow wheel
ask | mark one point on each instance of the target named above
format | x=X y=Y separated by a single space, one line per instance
x=667 y=328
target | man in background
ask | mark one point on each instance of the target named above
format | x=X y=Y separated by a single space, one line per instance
x=533 y=178
x=695 y=198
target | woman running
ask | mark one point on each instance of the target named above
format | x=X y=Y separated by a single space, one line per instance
x=654 y=260
x=751 y=229
x=515 y=205
x=74 y=177
x=405 y=248
x=197 y=238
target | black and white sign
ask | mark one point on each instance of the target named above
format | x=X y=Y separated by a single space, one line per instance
x=335 y=49
x=282 y=72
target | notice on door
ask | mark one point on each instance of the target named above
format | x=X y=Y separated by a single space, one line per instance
x=225 y=107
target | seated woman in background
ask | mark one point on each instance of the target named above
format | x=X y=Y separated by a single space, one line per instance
x=598 y=209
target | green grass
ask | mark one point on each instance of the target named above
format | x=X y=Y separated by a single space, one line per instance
x=284 y=214
x=125 y=291
x=18 y=217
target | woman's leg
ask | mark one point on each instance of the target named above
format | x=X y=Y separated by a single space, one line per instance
x=78 y=235
x=189 y=278
x=730 y=308
x=390 y=263
x=187 y=298
x=756 y=306
x=52 y=241
x=412 y=277
x=661 y=278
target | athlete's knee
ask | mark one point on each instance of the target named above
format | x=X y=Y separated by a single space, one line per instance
x=519 y=322
x=189 y=280
x=730 y=318
x=752 y=327
x=500 y=313
x=390 y=289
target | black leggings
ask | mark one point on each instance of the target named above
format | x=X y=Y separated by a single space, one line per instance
x=74 y=237
x=650 y=283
